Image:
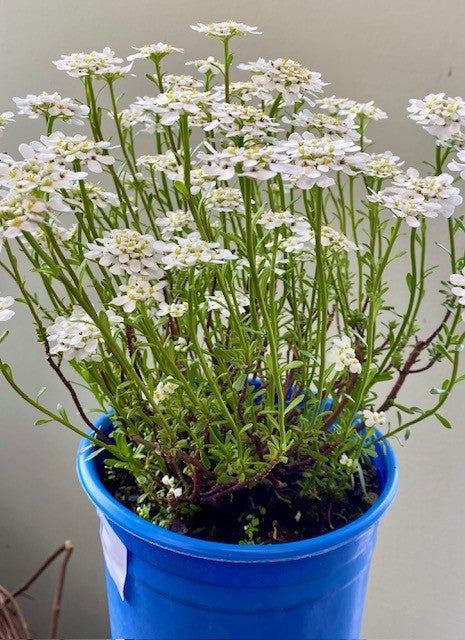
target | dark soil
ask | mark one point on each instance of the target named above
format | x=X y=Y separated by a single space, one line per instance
x=274 y=516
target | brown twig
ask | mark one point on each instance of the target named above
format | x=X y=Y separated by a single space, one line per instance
x=73 y=394
x=411 y=360
x=67 y=549
x=222 y=490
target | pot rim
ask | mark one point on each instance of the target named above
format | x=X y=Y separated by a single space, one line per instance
x=115 y=512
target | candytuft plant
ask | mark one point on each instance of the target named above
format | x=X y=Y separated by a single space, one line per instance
x=228 y=296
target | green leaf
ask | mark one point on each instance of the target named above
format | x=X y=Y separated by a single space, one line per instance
x=295 y=364
x=294 y=403
x=410 y=282
x=37 y=423
x=239 y=382
x=443 y=421
x=181 y=187
x=436 y=391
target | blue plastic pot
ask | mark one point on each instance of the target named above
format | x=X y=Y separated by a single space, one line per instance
x=180 y=588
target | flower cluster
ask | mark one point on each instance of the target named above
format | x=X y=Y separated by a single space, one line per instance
x=98 y=64
x=127 y=251
x=5 y=118
x=441 y=116
x=65 y=150
x=5 y=312
x=342 y=355
x=138 y=290
x=77 y=337
x=285 y=77
x=52 y=105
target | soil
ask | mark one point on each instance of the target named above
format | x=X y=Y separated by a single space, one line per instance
x=274 y=517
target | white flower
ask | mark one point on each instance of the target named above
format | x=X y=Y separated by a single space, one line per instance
x=366 y=109
x=406 y=204
x=342 y=355
x=174 y=81
x=346 y=107
x=165 y=162
x=127 y=251
x=346 y=461
x=192 y=250
x=61 y=234
x=310 y=159
x=458 y=164
x=217 y=302
x=223 y=30
x=180 y=345
x=5 y=118
x=153 y=51
x=32 y=173
x=435 y=189
x=174 y=221
x=52 y=105
x=174 y=103
x=163 y=390
x=66 y=149
x=303 y=238
x=225 y=199
x=100 y=64
x=134 y=115
x=439 y=115
x=458 y=280
x=334 y=105
x=170 y=482
x=257 y=162
x=374 y=418
x=174 y=309
x=327 y=124
x=138 y=290
x=287 y=77
x=208 y=65
x=96 y=194
x=5 y=312
x=238 y=119
x=274 y=219
x=21 y=212
x=76 y=336
x=379 y=165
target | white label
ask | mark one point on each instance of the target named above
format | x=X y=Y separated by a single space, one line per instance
x=114 y=553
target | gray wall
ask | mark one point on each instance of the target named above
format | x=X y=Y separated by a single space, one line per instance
x=386 y=51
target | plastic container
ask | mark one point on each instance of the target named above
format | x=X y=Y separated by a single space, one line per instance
x=180 y=588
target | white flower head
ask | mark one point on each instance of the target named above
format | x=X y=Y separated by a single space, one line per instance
x=5 y=312
x=380 y=165
x=77 y=337
x=438 y=114
x=32 y=173
x=154 y=52
x=5 y=118
x=191 y=251
x=217 y=302
x=173 y=222
x=406 y=204
x=98 y=64
x=163 y=390
x=434 y=189
x=345 y=461
x=52 y=105
x=127 y=251
x=458 y=280
x=224 y=30
x=311 y=159
x=208 y=65
x=21 y=212
x=170 y=483
x=138 y=290
x=289 y=78
x=63 y=149
x=226 y=199
x=342 y=355
x=374 y=418
x=173 y=309
x=275 y=219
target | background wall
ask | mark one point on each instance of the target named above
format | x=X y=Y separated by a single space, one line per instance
x=385 y=51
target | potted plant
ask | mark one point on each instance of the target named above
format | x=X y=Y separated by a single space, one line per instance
x=227 y=304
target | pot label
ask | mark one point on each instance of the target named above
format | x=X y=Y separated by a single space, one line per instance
x=114 y=553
